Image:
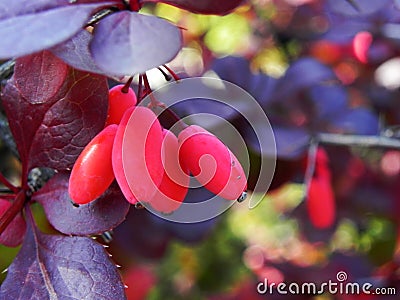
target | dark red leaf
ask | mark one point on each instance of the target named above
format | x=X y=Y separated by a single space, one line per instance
x=15 y=231
x=99 y=216
x=55 y=113
x=217 y=7
x=30 y=26
x=60 y=267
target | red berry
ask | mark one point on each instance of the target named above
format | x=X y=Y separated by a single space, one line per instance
x=13 y=235
x=136 y=154
x=320 y=199
x=211 y=162
x=136 y=274
x=175 y=181
x=92 y=173
x=118 y=103
x=361 y=44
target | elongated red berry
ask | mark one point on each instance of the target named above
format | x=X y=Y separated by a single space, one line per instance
x=175 y=181
x=321 y=204
x=211 y=162
x=136 y=154
x=92 y=173
x=119 y=101
x=13 y=235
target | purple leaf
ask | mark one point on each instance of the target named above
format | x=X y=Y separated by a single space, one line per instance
x=55 y=113
x=217 y=7
x=304 y=73
x=10 y=9
x=356 y=121
x=237 y=70
x=75 y=52
x=233 y=69
x=357 y=7
x=291 y=142
x=343 y=30
x=126 y=43
x=60 y=267
x=40 y=26
x=103 y=214
x=140 y=235
x=329 y=100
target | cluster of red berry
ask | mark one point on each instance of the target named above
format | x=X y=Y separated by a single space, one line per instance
x=151 y=164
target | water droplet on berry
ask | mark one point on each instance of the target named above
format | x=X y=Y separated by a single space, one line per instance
x=242 y=197
x=139 y=205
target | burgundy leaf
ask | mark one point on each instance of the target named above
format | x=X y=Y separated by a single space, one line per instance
x=127 y=43
x=55 y=113
x=40 y=26
x=217 y=7
x=13 y=235
x=75 y=52
x=99 y=216
x=60 y=267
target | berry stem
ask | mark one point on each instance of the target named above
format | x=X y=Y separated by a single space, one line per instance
x=7 y=196
x=8 y=184
x=125 y=88
x=166 y=76
x=14 y=209
x=154 y=103
x=153 y=100
x=140 y=88
x=310 y=169
x=176 y=77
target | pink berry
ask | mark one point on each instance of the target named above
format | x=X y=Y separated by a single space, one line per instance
x=361 y=44
x=175 y=181
x=211 y=162
x=92 y=173
x=136 y=154
x=118 y=103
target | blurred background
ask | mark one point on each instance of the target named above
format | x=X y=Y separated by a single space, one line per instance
x=327 y=74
